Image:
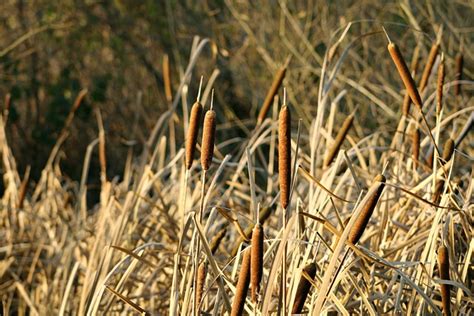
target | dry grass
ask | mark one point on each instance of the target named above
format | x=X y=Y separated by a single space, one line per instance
x=167 y=237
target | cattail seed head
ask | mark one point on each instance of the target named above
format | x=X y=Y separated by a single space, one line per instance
x=167 y=78
x=448 y=149
x=368 y=205
x=303 y=288
x=216 y=240
x=443 y=266
x=193 y=131
x=458 y=73
x=242 y=286
x=438 y=191
x=256 y=266
x=200 y=281
x=439 y=86
x=280 y=75
x=429 y=66
x=415 y=146
x=284 y=155
x=405 y=74
x=341 y=135
x=208 y=136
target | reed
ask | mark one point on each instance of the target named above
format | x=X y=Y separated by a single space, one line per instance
x=439 y=87
x=405 y=74
x=443 y=266
x=208 y=138
x=458 y=73
x=415 y=146
x=284 y=155
x=341 y=136
x=304 y=286
x=193 y=131
x=429 y=66
x=242 y=286
x=277 y=80
x=256 y=263
x=368 y=205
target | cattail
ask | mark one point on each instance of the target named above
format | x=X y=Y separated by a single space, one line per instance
x=256 y=263
x=242 y=286
x=439 y=86
x=284 y=155
x=448 y=149
x=303 y=288
x=341 y=135
x=280 y=75
x=200 y=281
x=167 y=78
x=193 y=131
x=216 y=240
x=414 y=68
x=208 y=135
x=429 y=66
x=415 y=146
x=443 y=266
x=438 y=190
x=458 y=75
x=368 y=205
x=429 y=159
x=405 y=74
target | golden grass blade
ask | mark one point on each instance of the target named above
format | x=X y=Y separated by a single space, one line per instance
x=133 y=305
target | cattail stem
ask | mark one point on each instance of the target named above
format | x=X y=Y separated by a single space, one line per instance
x=443 y=266
x=242 y=286
x=304 y=286
x=256 y=267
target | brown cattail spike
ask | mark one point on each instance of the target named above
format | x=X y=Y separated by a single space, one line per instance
x=303 y=288
x=284 y=155
x=405 y=74
x=193 y=131
x=448 y=149
x=414 y=67
x=216 y=240
x=256 y=266
x=368 y=205
x=341 y=135
x=443 y=266
x=458 y=74
x=415 y=146
x=242 y=286
x=208 y=135
x=439 y=86
x=200 y=281
x=271 y=94
x=438 y=191
x=429 y=66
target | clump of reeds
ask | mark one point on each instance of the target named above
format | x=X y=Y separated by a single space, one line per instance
x=208 y=137
x=256 y=266
x=458 y=73
x=443 y=266
x=242 y=286
x=368 y=205
x=280 y=75
x=193 y=131
x=304 y=286
x=284 y=155
x=341 y=136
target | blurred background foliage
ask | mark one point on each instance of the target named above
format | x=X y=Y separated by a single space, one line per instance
x=50 y=50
